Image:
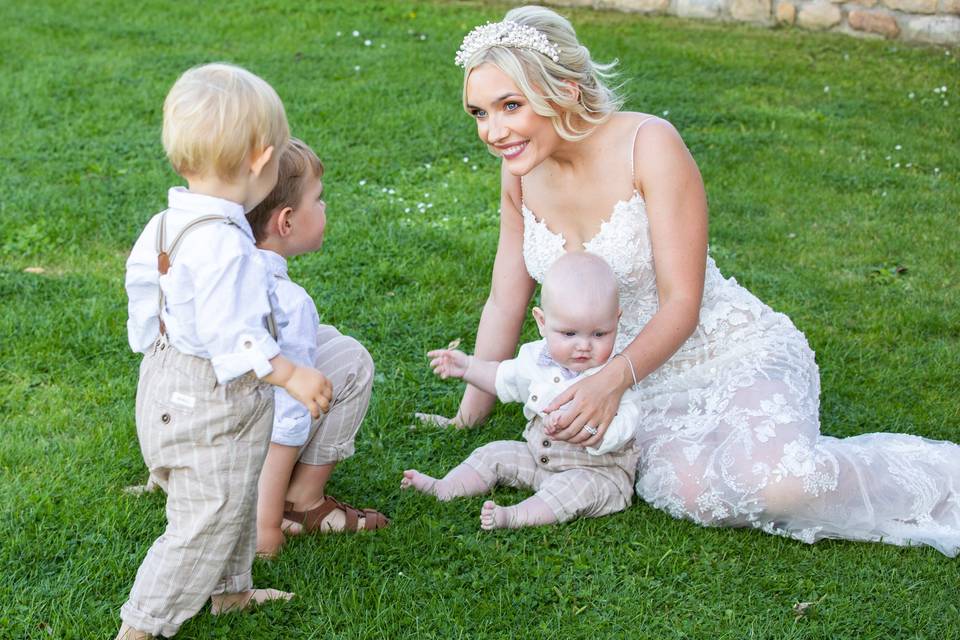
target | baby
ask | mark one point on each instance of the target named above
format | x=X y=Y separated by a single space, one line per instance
x=578 y=323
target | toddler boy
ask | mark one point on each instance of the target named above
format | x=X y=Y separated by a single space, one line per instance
x=578 y=322
x=200 y=312
x=304 y=451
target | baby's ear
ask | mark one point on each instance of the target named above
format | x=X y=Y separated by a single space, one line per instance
x=540 y=318
x=259 y=160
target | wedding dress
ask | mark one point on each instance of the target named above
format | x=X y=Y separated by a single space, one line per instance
x=729 y=425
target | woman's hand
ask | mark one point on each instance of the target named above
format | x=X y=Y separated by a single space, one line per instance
x=593 y=402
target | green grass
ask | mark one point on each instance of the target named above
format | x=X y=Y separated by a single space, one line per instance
x=806 y=210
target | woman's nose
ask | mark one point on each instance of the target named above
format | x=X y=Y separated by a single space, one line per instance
x=495 y=130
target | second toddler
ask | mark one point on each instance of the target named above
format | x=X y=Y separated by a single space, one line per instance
x=578 y=321
x=304 y=450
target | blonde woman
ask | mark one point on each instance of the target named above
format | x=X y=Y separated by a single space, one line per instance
x=729 y=427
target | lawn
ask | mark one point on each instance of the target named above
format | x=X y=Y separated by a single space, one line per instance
x=831 y=166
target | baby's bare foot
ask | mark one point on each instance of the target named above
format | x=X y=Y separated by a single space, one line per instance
x=228 y=602
x=492 y=516
x=129 y=633
x=419 y=481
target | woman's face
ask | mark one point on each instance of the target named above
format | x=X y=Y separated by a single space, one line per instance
x=506 y=121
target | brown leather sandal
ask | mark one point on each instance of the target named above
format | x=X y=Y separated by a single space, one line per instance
x=312 y=519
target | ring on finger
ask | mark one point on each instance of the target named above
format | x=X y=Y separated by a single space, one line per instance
x=591 y=430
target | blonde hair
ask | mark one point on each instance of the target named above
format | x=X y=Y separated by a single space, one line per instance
x=298 y=163
x=546 y=83
x=216 y=115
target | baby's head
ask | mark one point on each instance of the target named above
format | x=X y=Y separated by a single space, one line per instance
x=292 y=218
x=580 y=309
x=220 y=120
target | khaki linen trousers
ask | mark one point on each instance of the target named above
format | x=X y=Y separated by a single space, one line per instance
x=204 y=443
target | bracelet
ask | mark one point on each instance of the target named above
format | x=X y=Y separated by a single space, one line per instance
x=633 y=372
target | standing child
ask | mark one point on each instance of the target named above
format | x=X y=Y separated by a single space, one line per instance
x=199 y=305
x=303 y=450
x=578 y=322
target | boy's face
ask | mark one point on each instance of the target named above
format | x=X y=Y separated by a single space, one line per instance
x=579 y=336
x=309 y=220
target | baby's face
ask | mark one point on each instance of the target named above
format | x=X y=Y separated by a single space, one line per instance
x=580 y=336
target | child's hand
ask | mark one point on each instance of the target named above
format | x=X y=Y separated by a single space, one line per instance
x=312 y=388
x=449 y=363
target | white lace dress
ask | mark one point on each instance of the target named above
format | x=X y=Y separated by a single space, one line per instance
x=729 y=425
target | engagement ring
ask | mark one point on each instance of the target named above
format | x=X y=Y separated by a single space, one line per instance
x=591 y=430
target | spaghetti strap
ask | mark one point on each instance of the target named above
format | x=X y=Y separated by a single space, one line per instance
x=633 y=146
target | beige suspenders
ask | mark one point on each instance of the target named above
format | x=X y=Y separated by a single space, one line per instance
x=165 y=256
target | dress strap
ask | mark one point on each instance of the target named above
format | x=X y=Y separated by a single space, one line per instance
x=633 y=146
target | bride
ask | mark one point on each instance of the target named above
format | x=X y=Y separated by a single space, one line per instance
x=729 y=427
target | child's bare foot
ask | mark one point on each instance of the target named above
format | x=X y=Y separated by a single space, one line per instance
x=228 y=602
x=492 y=516
x=140 y=489
x=269 y=542
x=419 y=481
x=129 y=633
x=532 y=512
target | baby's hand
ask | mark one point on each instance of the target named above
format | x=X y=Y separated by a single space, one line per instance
x=553 y=418
x=449 y=363
x=311 y=388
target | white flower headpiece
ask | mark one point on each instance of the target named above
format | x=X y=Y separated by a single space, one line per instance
x=505 y=34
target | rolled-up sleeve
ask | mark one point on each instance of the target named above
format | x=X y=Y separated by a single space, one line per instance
x=231 y=303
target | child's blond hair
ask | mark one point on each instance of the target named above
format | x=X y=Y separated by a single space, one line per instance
x=298 y=163
x=216 y=115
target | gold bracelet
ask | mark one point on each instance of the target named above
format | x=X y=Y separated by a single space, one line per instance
x=633 y=372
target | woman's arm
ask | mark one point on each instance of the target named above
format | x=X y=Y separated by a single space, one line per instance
x=506 y=306
x=676 y=203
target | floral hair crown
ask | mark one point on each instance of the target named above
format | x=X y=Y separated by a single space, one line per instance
x=505 y=34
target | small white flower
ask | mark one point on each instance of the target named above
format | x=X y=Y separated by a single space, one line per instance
x=339 y=34
x=911 y=95
x=826 y=89
x=888 y=157
x=356 y=68
x=936 y=169
x=430 y=206
x=383 y=46
x=898 y=147
x=406 y=210
x=367 y=43
x=909 y=164
x=474 y=167
x=466 y=159
x=383 y=190
x=356 y=34
x=666 y=112
x=896 y=166
x=946 y=103
x=363 y=182
x=392 y=191
x=426 y=195
x=943 y=89
x=423 y=36
x=883 y=195
x=791 y=235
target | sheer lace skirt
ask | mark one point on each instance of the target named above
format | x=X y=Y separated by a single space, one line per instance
x=735 y=441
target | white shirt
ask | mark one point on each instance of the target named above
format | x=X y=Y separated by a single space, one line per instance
x=524 y=380
x=216 y=292
x=298 y=322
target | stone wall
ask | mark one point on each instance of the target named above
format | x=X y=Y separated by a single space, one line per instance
x=926 y=21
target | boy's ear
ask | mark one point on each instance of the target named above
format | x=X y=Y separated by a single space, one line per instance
x=259 y=160
x=540 y=318
x=283 y=226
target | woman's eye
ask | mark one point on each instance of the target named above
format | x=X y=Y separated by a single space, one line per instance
x=512 y=106
x=478 y=113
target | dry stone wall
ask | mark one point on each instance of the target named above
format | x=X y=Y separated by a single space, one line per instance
x=925 y=21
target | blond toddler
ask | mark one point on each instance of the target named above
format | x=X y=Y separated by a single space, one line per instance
x=200 y=311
